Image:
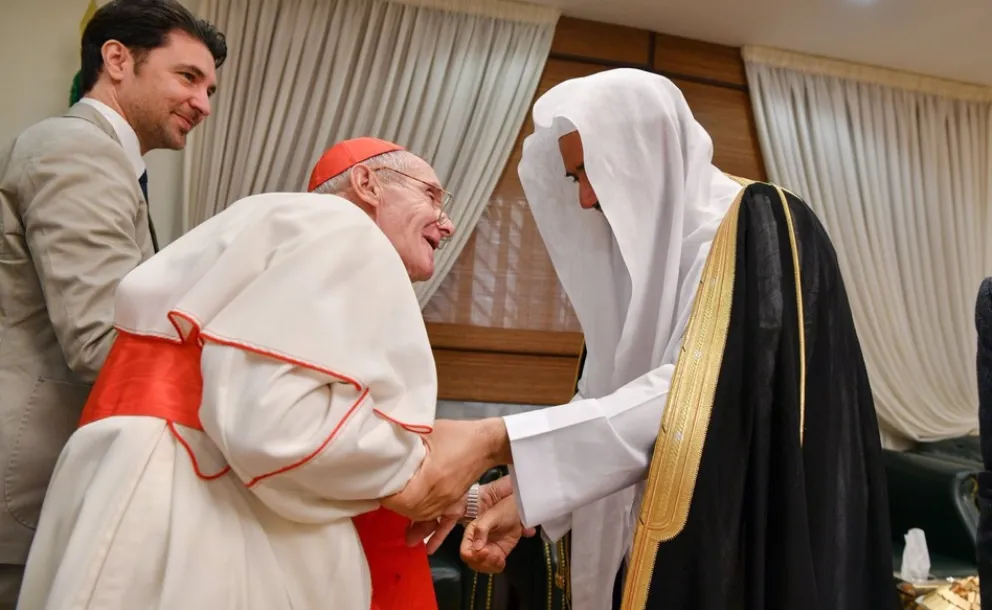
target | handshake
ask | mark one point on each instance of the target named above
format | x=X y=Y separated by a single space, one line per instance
x=436 y=498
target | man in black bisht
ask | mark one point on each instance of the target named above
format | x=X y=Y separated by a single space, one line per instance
x=723 y=452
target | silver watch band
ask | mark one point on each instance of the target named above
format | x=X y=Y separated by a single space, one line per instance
x=471 y=504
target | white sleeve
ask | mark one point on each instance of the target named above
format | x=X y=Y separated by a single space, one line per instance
x=567 y=456
x=310 y=447
x=552 y=530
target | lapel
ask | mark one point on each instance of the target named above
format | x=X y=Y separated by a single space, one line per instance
x=91 y=114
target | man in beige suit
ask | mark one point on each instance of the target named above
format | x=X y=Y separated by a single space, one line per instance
x=74 y=214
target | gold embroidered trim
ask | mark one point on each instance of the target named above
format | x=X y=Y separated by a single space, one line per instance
x=489 y=592
x=547 y=560
x=678 y=450
x=475 y=585
x=566 y=545
x=563 y=576
x=799 y=314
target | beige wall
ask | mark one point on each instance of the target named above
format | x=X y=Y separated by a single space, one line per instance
x=39 y=54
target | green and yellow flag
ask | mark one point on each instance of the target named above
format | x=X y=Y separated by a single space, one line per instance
x=75 y=92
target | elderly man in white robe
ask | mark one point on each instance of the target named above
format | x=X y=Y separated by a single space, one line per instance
x=268 y=389
x=722 y=451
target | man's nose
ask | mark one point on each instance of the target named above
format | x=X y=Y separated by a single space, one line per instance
x=587 y=196
x=447 y=227
x=588 y=200
x=201 y=103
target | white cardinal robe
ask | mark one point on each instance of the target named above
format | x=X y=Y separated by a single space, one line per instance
x=317 y=381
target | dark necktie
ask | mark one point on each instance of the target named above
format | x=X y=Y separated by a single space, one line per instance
x=143 y=182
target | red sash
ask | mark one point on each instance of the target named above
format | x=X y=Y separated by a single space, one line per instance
x=158 y=378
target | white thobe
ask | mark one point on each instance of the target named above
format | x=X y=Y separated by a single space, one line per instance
x=631 y=274
x=581 y=467
x=318 y=380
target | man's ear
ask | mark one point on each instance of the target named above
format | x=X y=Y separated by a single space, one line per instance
x=116 y=58
x=366 y=186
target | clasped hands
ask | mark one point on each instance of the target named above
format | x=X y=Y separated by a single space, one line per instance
x=458 y=454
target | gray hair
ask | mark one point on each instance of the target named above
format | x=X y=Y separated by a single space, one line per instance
x=399 y=160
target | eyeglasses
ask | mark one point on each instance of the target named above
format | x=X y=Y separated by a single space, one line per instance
x=441 y=200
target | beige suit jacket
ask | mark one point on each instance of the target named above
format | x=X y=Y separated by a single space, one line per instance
x=74 y=223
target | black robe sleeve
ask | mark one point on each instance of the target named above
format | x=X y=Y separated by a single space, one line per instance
x=783 y=500
x=983 y=366
x=983 y=362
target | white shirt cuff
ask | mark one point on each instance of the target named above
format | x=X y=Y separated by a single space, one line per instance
x=536 y=478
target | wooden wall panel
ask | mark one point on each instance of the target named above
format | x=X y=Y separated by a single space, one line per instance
x=504 y=365
x=557 y=71
x=504 y=340
x=706 y=60
x=580 y=38
x=504 y=378
x=726 y=115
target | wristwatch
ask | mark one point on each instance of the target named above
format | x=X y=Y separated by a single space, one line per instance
x=471 y=504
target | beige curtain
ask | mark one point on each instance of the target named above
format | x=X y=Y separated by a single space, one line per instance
x=899 y=170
